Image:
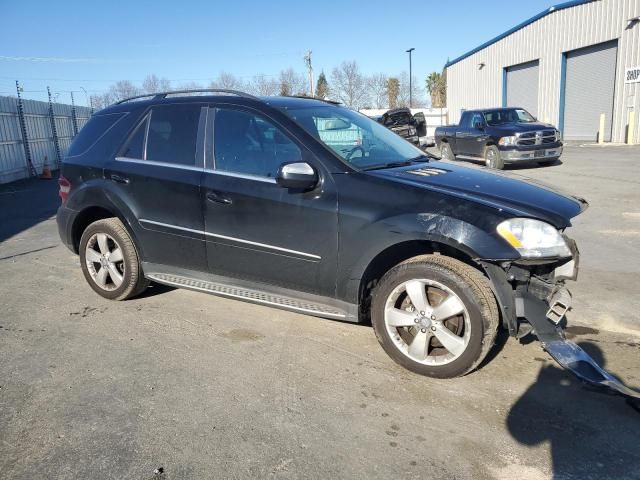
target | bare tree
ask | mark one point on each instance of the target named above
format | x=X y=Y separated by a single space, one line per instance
x=349 y=85
x=292 y=83
x=228 y=81
x=416 y=92
x=153 y=84
x=263 y=85
x=377 y=85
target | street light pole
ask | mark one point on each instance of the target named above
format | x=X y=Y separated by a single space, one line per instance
x=410 y=79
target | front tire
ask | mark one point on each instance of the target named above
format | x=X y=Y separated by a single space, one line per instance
x=446 y=153
x=435 y=316
x=492 y=158
x=110 y=262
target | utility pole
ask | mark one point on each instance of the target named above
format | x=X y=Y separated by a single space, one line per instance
x=307 y=60
x=410 y=79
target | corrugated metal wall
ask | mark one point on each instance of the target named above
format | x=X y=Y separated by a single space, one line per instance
x=13 y=163
x=546 y=40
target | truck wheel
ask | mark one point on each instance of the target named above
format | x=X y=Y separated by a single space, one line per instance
x=109 y=260
x=492 y=158
x=445 y=152
x=435 y=316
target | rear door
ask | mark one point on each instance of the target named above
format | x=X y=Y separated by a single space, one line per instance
x=255 y=229
x=157 y=176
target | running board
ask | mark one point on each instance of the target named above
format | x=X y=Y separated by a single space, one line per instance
x=569 y=355
x=250 y=295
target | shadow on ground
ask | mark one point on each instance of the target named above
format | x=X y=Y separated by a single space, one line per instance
x=26 y=203
x=591 y=433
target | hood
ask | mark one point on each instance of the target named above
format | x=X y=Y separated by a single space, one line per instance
x=500 y=190
x=515 y=127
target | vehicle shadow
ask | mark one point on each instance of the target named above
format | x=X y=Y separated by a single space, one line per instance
x=26 y=203
x=591 y=433
x=155 y=289
x=532 y=165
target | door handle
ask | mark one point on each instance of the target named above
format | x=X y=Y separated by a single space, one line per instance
x=218 y=198
x=119 y=179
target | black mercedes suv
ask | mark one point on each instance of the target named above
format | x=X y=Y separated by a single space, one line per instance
x=309 y=206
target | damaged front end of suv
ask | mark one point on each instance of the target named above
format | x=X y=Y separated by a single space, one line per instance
x=533 y=297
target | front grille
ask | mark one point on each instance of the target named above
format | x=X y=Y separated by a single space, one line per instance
x=540 y=137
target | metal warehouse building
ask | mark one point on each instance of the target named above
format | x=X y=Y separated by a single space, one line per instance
x=567 y=65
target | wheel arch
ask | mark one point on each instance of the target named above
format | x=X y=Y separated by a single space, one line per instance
x=96 y=201
x=400 y=252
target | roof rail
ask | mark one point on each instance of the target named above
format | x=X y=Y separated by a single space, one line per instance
x=161 y=95
x=332 y=102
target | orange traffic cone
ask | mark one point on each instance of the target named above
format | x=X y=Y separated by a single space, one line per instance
x=46 y=171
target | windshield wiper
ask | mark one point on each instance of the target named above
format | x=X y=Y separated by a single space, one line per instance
x=380 y=166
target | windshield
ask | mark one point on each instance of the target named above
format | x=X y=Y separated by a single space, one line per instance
x=355 y=138
x=508 y=115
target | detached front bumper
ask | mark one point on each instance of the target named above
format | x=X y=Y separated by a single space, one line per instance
x=534 y=299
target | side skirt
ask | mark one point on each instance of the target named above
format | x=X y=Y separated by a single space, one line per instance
x=252 y=292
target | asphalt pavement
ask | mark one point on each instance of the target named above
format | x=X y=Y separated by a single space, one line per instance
x=182 y=385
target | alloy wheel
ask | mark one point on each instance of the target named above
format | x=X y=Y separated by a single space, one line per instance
x=427 y=322
x=105 y=261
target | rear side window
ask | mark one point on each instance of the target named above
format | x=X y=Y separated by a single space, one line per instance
x=172 y=135
x=168 y=134
x=135 y=145
x=95 y=128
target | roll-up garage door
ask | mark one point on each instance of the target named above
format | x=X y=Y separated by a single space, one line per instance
x=522 y=86
x=589 y=88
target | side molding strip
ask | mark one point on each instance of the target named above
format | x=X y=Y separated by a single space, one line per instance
x=224 y=237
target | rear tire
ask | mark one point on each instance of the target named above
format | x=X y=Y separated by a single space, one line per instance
x=110 y=261
x=492 y=158
x=441 y=302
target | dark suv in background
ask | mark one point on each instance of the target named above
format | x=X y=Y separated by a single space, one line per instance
x=270 y=200
x=498 y=136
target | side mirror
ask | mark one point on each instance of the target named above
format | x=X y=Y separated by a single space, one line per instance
x=478 y=126
x=297 y=175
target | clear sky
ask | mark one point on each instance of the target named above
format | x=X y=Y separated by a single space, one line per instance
x=73 y=44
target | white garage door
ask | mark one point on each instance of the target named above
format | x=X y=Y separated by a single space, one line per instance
x=522 y=86
x=589 y=88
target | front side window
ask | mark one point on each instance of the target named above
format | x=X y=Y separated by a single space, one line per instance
x=354 y=137
x=248 y=143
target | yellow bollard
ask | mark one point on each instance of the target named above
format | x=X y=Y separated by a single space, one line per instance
x=631 y=128
x=601 y=129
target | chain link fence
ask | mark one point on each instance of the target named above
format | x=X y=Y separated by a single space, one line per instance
x=31 y=131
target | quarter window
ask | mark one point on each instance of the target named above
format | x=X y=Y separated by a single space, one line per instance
x=248 y=143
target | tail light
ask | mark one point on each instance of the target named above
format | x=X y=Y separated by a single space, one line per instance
x=65 y=187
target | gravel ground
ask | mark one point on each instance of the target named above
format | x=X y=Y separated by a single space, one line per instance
x=192 y=386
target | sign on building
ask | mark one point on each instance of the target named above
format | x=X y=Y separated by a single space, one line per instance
x=632 y=75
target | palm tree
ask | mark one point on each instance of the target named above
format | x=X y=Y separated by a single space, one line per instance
x=437 y=88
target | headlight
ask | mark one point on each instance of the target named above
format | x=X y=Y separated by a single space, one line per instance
x=505 y=141
x=558 y=135
x=533 y=238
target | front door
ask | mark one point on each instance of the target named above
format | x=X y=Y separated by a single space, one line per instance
x=470 y=139
x=157 y=175
x=255 y=229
